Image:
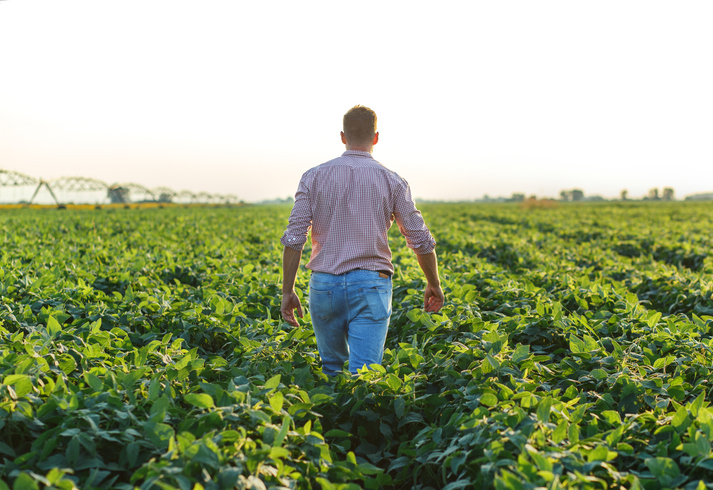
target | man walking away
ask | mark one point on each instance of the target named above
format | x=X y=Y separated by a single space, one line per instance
x=350 y=203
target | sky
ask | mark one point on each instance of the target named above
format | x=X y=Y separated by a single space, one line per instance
x=472 y=98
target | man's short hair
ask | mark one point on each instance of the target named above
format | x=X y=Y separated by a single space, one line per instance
x=359 y=125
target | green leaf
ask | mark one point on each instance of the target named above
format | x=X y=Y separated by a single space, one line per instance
x=573 y=433
x=505 y=392
x=159 y=434
x=129 y=295
x=489 y=400
x=704 y=447
x=599 y=374
x=493 y=362
x=697 y=404
x=96 y=384
x=5 y=449
x=200 y=400
x=25 y=482
x=698 y=321
x=654 y=318
x=576 y=345
x=681 y=420
x=154 y=388
x=662 y=362
x=427 y=322
x=560 y=433
x=599 y=453
x=590 y=344
x=614 y=436
x=279 y=452
x=691 y=449
x=399 y=407
x=369 y=469
x=507 y=480
x=273 y=382
x=129 y=379
x=67 y=363
x=414 y=315
x=465 y=483
x=612 y=417
x=21 y=383
x=520 y=354
x=276 y=401
x=283 y=431
x=325 y=484
x=664 y=469
x=543 y=409
x=393 y=381
x=701 y=485
x=337 y=433
x=53 y=327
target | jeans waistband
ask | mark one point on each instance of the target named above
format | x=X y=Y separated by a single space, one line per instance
x=386 y=273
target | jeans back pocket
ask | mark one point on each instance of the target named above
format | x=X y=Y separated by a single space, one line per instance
x=378 y=301
x=320 y=304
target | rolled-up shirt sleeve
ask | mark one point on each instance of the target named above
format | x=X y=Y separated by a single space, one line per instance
x=411 y=223
x=300 y=221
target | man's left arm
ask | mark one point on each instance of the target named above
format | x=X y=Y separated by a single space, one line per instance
x=290 y=300
x=294 y=239
x=419 y=239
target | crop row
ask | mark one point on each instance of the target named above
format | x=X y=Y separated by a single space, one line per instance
x=144 y=348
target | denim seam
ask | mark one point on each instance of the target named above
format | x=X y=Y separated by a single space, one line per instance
x=346 y=297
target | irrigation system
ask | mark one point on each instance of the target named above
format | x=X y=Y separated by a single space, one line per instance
x=127 y=192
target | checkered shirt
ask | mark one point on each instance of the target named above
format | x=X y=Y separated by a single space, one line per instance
x=350 y=203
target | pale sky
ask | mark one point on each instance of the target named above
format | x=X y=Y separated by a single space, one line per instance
x=473 y=98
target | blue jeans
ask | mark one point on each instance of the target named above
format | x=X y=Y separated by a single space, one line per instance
x=350 y=315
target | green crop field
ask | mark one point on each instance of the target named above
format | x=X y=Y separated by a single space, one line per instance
x=144 y=348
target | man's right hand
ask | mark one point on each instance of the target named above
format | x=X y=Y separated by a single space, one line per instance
x=433 y=298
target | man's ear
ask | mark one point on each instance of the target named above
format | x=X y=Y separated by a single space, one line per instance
x=376 y=138
x=344 y=138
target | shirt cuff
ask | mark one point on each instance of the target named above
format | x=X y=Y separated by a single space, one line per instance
x=293 y=242
x=425 y=248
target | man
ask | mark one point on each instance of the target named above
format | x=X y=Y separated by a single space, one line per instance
x=350 y=203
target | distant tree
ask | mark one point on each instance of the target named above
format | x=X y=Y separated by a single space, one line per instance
x=516 y=197
x=668 y=193
x=577 y=194
x=565 y=195
x=654 y=194
x=623 y=194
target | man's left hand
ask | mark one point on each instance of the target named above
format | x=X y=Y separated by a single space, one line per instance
x=290 y=303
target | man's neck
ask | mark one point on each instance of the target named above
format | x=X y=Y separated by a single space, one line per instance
x=369 y=149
